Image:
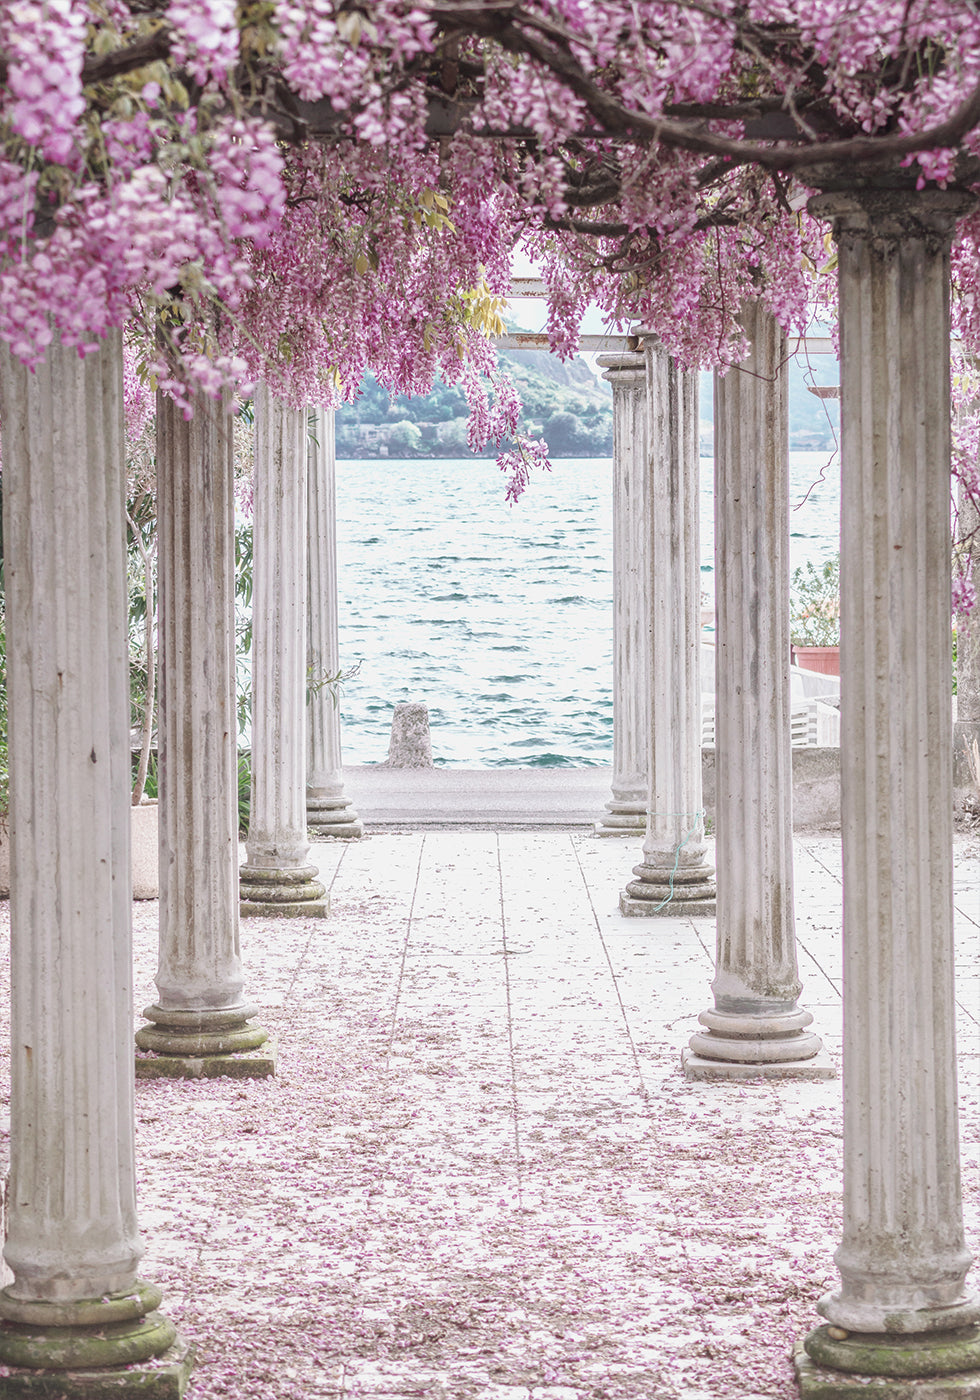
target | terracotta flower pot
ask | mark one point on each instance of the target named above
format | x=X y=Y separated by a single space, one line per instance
x=825 y=660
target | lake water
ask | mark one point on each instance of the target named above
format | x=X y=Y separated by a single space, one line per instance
x=500 y=617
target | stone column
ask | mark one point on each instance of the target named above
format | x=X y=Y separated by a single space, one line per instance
x=329 y=811
x=200 y=1020
x=755 y=1026
x=673 y=877
x=966 y=730
x=626 y=814
x=277 y=878
x=72 y=1243
x=902 y=1308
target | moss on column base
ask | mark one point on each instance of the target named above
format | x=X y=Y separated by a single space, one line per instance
x=933 y=1366
x=308 y=909
x=666 y=906
x=282 y=894
x=664 y=892
x=166 y=1378
x=68 y=1348
x=171 y=1042
x=252 y=1064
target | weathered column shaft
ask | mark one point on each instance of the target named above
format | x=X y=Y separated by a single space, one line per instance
x=902 y=1260
x=277 y=877
x=966 y=727
x=329 y=811
x=967 y=624
x=755 y=1025
x=673 y=877
x=200 y=962
x=72 y=1209
x=200 y=1010
x=632 y=621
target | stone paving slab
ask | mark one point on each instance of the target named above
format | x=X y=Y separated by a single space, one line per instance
x=479 y=1173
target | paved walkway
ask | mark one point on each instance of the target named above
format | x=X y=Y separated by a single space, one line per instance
x=479 y=1174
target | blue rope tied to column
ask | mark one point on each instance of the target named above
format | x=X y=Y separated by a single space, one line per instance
x=698 y=818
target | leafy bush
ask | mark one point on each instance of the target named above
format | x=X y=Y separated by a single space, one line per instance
x=244 y=790
x=243 y=625
x=814 y=619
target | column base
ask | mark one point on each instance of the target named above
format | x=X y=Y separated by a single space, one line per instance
x=659 y=891
x=755 y=1044
x=282 y=894
x=190 y=1032
x=698 y=1068
x=333 y=817
x=204 y=1045
x=623 y=819
x=166 y=1379
x=835 y=1365
x=255 y=1064
x=122 y=1329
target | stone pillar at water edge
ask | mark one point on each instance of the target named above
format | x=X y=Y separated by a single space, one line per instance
x=201 y=1020
x=626 y=812
x=674 y=877
x=903 y=1308
x=73 y=1243
x=329 y=811
x=277 y=878
x=755 y=1026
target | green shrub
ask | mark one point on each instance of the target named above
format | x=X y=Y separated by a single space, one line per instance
x=244 y=790
x=814 y=617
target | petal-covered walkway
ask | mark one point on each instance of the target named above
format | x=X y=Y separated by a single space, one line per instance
x=480 y=1173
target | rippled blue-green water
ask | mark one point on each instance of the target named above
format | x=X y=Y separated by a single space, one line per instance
x=500 y=617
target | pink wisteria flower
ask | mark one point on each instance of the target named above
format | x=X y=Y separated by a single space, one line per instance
x=44 y=43
x=205 y=37
x=321 y=190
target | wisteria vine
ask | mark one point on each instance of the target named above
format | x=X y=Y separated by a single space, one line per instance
x=304 y=189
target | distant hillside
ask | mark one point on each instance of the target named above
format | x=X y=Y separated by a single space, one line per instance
x=563 y=402
x=814 y=424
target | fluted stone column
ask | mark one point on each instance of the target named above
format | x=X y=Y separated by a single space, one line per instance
x=329 y=811
x=626 y=813
x=200 y=1019
x=966 y=731
x=673 y=877
x=73 y=1243
x=903 y=1307
x=755 y=1026
x=277 y=878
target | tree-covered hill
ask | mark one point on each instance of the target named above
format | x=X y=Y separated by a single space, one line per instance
x=563 y=402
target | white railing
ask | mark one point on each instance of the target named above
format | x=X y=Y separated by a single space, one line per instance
x=812 y=724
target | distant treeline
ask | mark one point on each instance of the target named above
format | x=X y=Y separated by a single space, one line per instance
x=564 y=403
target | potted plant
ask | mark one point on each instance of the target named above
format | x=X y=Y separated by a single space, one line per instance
x=814 y=619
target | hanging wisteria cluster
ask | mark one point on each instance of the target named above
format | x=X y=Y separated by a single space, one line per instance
x=302 y=189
